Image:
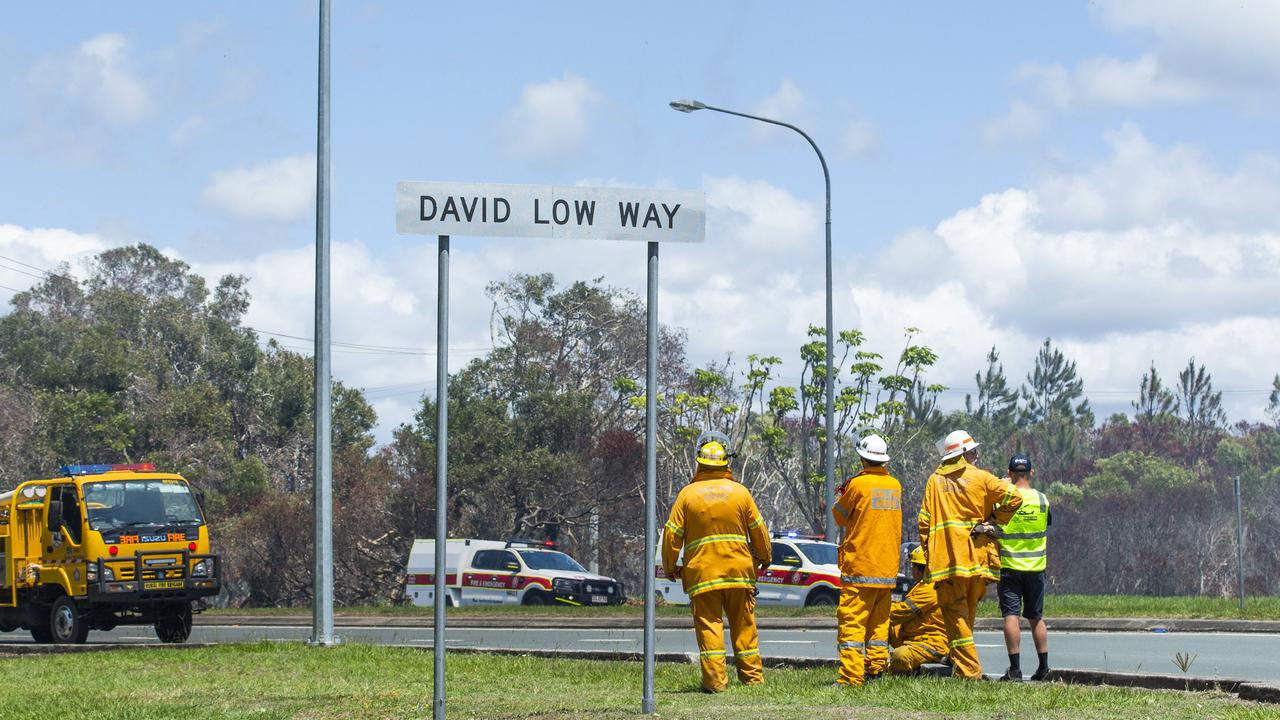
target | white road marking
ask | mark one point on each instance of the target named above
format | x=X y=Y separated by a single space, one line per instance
x=793 y=642
x=613 y=640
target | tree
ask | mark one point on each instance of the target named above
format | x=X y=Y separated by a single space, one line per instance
x=1201 y=408
x=899 y=405
x=1273 y=400
x=1052 y=388
x=997 y=403
x=1155 y=402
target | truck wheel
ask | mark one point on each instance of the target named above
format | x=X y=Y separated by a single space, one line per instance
x=174 y=624
x=66 y=625
x=821 y=598
x=535 y=597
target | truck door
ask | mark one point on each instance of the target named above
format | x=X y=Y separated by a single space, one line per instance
x=776 y=582
x=491 y=579
x=64 y=532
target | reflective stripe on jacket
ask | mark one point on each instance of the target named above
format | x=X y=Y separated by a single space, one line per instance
x=723 y=535
x=1023 y=540
x=918 y=619
x=957 y=497
x=869 y=512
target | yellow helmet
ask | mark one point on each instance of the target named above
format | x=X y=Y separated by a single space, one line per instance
x=713 y=449
x=917 y=555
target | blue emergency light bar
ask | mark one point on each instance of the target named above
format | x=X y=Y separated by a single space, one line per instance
x=70 y=470
x=795 y=535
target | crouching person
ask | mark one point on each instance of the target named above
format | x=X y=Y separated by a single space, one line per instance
x=916 y=631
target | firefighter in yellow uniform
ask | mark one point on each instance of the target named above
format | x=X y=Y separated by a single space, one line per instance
x=960 y=500
x=724 y=538
x=916 y=631
x=869 y=512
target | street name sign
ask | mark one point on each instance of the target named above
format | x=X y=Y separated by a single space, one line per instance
x=550 y=211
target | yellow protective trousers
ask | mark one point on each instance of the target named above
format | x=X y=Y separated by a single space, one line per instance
x=958 y=599
x=709 y=608
x=862 y=635
x=907 y=657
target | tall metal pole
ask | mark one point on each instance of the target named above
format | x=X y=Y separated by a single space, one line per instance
x=647 y=704
x=829 y=451
x=1239 y=544
x=322 y=481
x=442 y=469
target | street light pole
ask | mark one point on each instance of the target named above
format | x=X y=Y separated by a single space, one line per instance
x=688 y=106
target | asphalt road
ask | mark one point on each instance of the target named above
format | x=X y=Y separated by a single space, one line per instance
x=1241 y=656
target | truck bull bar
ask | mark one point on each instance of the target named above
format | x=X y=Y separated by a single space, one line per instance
x=162 y=586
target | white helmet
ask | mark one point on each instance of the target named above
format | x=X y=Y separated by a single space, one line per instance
x=873 y=448
x=955 y=443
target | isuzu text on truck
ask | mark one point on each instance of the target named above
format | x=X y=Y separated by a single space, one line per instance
x=100 y=546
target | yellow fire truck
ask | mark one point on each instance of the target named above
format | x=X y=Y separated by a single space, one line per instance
x=100 y=546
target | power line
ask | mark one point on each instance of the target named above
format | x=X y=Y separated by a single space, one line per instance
x=375 y=349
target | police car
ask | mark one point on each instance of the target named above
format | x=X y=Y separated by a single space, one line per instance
x=803 y=573
x=513 y=572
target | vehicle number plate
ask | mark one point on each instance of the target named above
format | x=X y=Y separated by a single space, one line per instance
x=600 y=598
x=166 y=585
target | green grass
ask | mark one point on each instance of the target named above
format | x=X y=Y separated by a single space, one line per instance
x=1098 y=606
x=1104 y=606
x=290 y=680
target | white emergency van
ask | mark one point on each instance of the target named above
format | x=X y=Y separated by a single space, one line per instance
x=496 y=572
x=803 y=573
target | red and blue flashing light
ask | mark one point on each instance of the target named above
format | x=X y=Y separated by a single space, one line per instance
x=70 y=470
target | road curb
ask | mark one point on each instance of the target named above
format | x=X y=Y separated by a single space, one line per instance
x=15 y=649
x=1156 y=625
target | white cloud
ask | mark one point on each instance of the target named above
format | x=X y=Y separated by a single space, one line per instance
x=859 y=139
x=99 y=76
x=1198 y=52
x=1117 y=282
x=282 y=190
x=1141 y=184
x=787 y=103
x=189 y=128
x=551 y=120
x=1023 y=122
x=1231 y=44
x=1142 y=257
x=1113 y=82
x=28 y=252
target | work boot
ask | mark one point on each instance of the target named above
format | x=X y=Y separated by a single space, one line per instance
x=1011 y=675
x=1041 y=673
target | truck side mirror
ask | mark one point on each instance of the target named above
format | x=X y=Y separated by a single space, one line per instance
x=54 y=522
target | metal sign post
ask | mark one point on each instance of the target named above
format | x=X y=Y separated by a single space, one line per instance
x=548 y=211
x=1239 y=544
x=647 y=703
x=442 y=469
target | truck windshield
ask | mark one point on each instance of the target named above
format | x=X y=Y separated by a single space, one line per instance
x=550 y=560
x=119 y=504
x=819 y=553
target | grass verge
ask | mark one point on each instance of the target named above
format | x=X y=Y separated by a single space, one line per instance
x=288 y=680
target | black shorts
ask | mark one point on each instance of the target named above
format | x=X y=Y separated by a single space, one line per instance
x=1021 y=593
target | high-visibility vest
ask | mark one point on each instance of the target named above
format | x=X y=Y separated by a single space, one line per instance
x=1023 y=541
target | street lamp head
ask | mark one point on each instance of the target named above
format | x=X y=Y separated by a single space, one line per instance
x=686 y=106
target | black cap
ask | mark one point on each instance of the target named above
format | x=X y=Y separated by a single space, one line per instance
x=1020 y=463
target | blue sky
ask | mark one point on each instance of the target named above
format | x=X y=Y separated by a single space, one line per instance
x=1104 y=174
